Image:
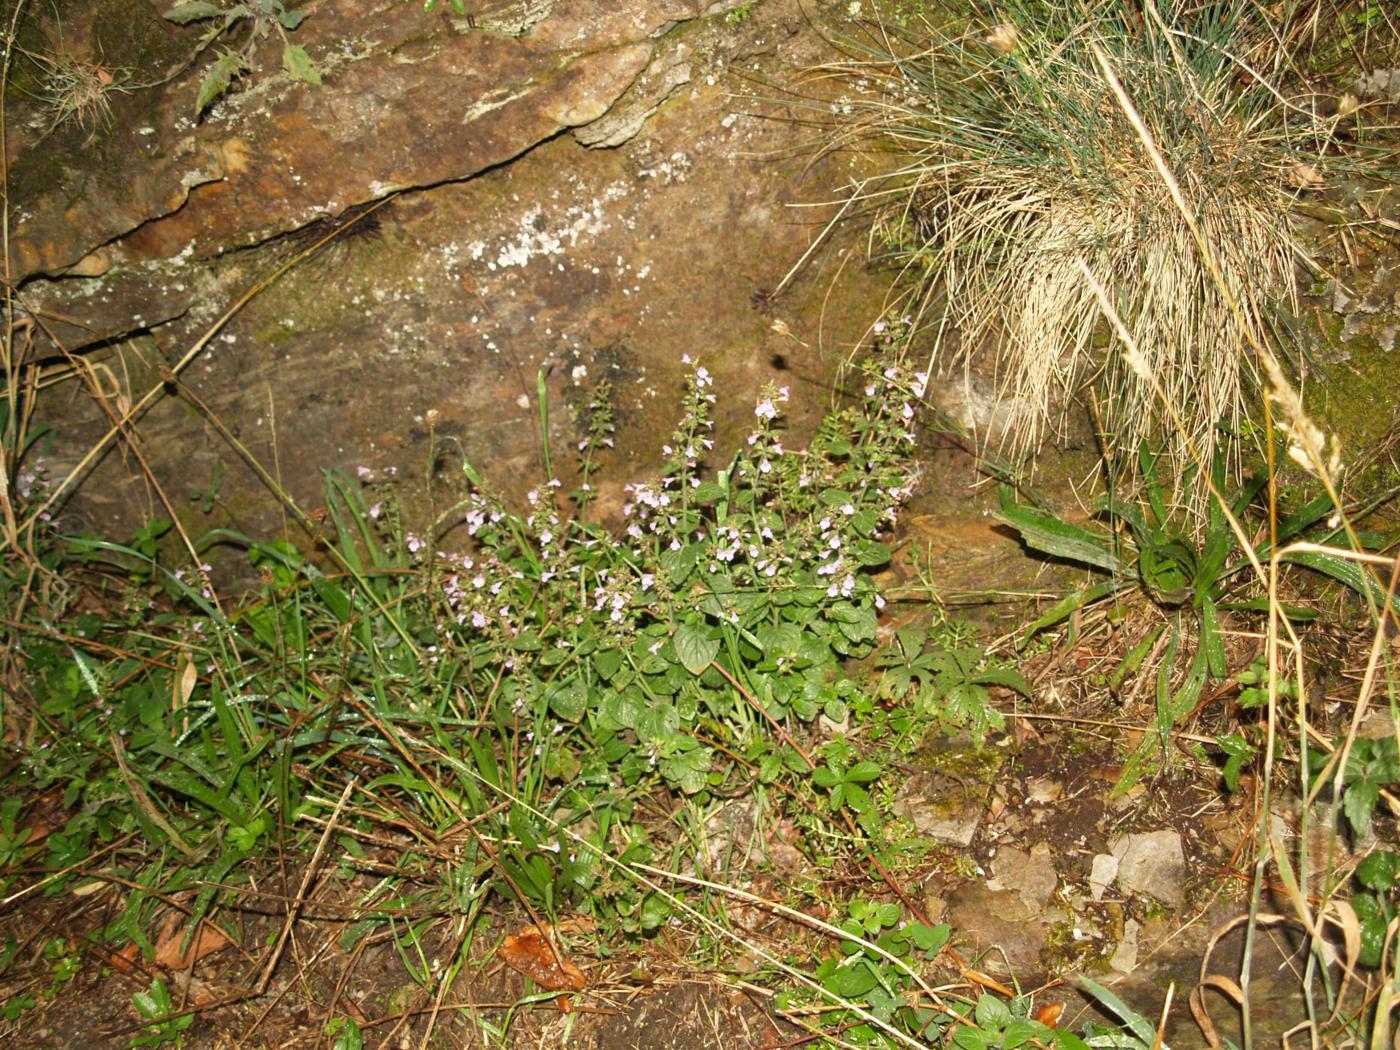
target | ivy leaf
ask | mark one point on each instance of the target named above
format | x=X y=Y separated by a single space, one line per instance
x=694 y=647
x=298 y=64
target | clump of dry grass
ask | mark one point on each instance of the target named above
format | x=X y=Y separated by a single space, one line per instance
x=1019 y=169
x=76 y=91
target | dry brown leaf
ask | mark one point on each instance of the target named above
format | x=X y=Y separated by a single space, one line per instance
x=207 y=940
x=124 y=961
x=531 y=951
x=1048 y=1014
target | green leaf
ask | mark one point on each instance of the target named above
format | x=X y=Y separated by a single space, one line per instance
x=569 y=701
x=607 y=662
x=1080 y=599
x=1238 y=750
x=679 y=564
x=292 y=19
x=928 y=938
x=228 y=65
x=969 y=1038
x=193 y=11
x=1379 y=870
x=871 y=553
x=1211 y=640
x=863 y=772
x=853 y=981
x=694 y=647
x=298 y=64
x=1137 y=1024
x=1067 y=1040
x=1355 y=576
x=1019 y=1031
x=1005 y=677
x=1047 y=533
x=1359 y=803
x=991 y=1013
x=826 y=777
x=1373 y=927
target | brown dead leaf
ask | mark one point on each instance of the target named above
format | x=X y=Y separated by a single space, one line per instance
x=207 y=940
x=1048 y=1014
x=531 y=952
x=124 y=960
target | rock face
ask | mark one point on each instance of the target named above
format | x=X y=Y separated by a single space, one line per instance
x=1152 y=863
x=579 y=186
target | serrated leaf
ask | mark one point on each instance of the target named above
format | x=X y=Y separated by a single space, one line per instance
x=969 y=1038
x=298 y=64
x=228 y=65
x=292 y=19
x=871 y=553
x=863 y=772
x=1019 y=1031
x=193 y=11
x=694 y=647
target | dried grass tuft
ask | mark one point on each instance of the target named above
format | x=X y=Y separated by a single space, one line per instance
x=1020 y=169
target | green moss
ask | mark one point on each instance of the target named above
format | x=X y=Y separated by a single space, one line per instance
x=1355 y=398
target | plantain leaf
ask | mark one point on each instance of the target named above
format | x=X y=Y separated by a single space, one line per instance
x=1047 y=533
x=1341 y=569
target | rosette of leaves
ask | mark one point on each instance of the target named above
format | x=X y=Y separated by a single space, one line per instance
x=262 y=18
x=948 y=682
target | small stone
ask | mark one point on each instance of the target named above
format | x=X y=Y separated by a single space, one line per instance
x=1032 y=874
x=987 y=919
x=1101 y=875
x=1153 y=863
x=946 y=801
x=1125 y=957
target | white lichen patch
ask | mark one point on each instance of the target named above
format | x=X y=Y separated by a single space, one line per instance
x=538 y=235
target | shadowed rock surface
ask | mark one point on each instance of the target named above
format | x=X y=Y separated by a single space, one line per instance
x=589 y=188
